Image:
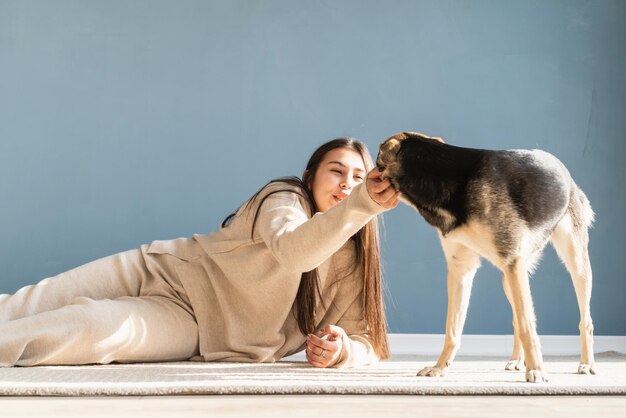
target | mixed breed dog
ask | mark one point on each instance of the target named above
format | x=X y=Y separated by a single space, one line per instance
x=503 y=206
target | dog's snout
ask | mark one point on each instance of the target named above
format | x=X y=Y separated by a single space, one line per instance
x=379 y=160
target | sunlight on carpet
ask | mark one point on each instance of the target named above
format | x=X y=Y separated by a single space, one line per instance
x=468 y=376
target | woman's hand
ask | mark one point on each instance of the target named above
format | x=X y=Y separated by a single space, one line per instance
x=325 y=353
x=381 y=191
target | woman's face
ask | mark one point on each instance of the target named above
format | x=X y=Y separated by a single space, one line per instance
x=340 y=170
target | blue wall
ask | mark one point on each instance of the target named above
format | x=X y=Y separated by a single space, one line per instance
x=127 y=121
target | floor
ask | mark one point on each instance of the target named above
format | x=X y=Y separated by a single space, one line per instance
x=316 y=406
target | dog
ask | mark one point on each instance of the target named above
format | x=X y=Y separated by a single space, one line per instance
x=503 y=206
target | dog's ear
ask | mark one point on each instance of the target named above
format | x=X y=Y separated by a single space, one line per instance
x=388 y=150
x=391 y=145
x=422 y=136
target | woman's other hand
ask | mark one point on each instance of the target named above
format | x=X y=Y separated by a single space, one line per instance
x=325 y=353
x=380 y=190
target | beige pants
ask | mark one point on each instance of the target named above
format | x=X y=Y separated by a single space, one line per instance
x=123 y=308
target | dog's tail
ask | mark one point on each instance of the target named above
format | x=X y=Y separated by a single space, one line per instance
x=580 y=209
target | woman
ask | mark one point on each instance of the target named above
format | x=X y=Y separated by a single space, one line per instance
x=297 y=262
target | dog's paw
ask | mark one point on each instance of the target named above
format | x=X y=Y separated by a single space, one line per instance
x=514 y=364
x=432 y=372
x=586 y=369
x=536 y=376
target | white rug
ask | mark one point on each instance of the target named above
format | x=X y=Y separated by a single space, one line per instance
x=468 y=376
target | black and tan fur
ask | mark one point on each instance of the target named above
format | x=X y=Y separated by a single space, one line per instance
x=504 y=206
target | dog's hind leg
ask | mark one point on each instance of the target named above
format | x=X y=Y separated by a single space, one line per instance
x=570 y=239
x=462 y=266
x=517 y=277
x=517 y=358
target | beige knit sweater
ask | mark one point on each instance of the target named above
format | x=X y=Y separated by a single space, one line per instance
x=242 y=289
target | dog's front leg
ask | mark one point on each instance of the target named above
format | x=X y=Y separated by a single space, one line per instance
x=462 y=266
x=517 y=358
x=516 y=276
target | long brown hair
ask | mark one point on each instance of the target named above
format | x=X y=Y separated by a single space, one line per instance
x=366 y=242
